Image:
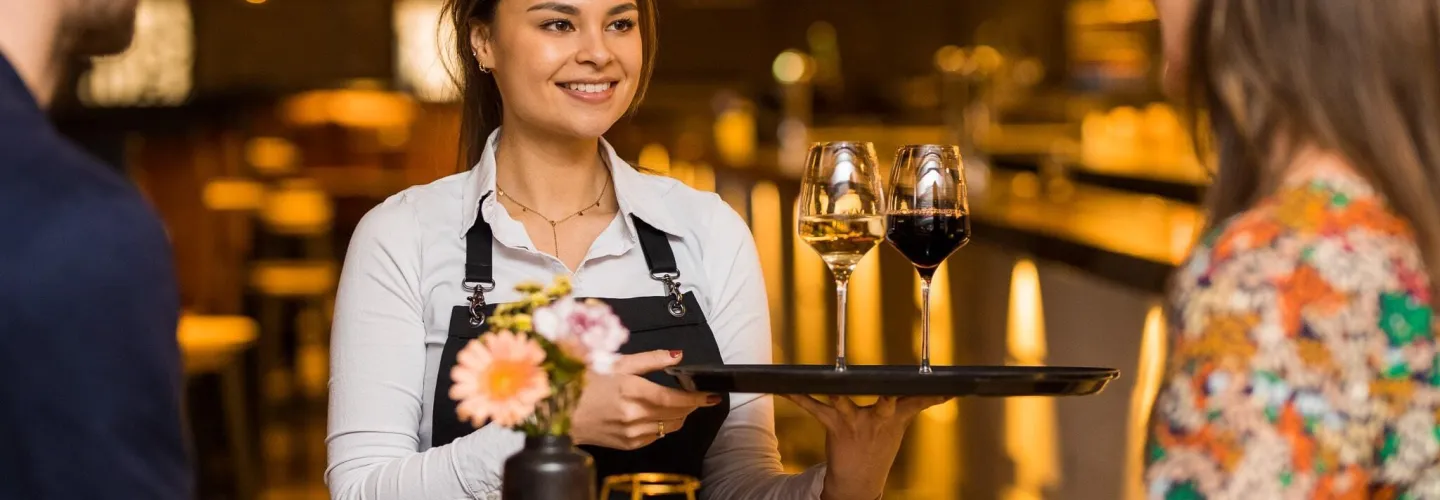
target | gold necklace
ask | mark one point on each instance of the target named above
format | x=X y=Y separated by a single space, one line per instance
x=554 y=233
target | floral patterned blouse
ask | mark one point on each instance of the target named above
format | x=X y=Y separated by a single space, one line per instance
x=1302 y=356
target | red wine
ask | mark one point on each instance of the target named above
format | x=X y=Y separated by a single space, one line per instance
x=927 y=237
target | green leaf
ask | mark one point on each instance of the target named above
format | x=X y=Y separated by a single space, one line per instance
x=1184 y=491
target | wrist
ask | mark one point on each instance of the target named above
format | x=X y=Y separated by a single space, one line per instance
x=837 y=489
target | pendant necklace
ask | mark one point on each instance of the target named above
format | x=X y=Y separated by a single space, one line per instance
x=554 y=234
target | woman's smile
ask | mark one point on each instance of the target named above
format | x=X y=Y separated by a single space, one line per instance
x=590 y=91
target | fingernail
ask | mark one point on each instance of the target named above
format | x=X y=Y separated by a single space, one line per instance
x=675 y=353
x=713 y=399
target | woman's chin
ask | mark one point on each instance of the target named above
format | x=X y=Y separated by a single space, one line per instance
x=587 y=129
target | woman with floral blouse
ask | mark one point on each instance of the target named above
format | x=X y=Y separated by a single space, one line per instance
x=1303 y=356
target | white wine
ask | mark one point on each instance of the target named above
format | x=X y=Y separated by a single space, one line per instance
x=842 y=240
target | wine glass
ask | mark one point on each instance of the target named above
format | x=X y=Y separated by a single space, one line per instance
x=841 y=214
x=928 y=217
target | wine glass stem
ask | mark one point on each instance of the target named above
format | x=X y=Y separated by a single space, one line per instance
x=925 y=325
x=841 y=285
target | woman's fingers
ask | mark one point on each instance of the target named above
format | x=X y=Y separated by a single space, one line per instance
x=912 y=405
x=641 y=434
x=821 y=411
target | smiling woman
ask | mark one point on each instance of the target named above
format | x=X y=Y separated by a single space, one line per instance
x=619 y=83
x=546 y=195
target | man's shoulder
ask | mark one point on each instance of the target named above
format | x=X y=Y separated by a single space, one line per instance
x=58 y=203
x=39 y=162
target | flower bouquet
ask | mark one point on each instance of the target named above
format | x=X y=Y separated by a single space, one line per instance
x=527 y=372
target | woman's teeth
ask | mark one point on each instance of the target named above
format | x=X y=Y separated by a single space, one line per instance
x=589 y=88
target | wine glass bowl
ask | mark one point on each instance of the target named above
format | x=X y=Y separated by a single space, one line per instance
x=841 y=214
x=927 y=216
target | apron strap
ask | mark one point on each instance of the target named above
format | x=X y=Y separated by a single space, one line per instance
x=480 y=277
x=661 y=260
x=477 y=251
x=658 y=255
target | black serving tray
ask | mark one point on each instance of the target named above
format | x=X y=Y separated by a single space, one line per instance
x=895 y=380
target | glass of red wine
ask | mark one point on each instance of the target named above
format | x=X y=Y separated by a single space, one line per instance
x=927 y=217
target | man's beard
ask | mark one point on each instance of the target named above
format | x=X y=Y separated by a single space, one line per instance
x=96 y=28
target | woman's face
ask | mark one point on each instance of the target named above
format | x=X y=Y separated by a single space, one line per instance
x=1176 y=17
x=566 y=67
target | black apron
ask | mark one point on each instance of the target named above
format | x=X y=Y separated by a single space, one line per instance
x=672 y=322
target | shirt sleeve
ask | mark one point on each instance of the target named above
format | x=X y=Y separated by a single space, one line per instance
x=1303 y=363
x=744 y=461
x=377 y=379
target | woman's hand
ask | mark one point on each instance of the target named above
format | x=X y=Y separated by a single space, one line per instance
x=861 y=442
x=624 y=411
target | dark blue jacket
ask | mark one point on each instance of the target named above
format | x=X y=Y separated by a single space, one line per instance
x=90 y=372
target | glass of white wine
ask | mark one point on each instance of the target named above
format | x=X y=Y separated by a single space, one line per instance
x=842 y=214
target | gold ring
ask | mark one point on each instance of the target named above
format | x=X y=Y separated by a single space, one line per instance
x=661 y=423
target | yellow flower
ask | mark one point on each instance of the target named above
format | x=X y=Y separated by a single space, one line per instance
x=521 y=322
x=528 y=287
x=500 y=322
x=560 y=288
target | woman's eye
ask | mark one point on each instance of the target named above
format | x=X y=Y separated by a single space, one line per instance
x=558 y=25
x=623 y=25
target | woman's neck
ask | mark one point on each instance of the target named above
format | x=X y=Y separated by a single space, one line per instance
x=549 y=174
x=1305 y=163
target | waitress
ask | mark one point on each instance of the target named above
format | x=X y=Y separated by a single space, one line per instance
x=548 y=196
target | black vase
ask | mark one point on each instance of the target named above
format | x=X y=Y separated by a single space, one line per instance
x=549 y=468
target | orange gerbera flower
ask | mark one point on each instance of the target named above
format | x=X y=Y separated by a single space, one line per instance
x=499 y=377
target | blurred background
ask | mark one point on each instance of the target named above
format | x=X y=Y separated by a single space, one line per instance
x=264 y=129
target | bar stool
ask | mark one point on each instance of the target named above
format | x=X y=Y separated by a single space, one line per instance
x=214 y=345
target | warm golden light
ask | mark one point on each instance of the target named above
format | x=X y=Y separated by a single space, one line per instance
x=985 y=60
x=1025 y=330
x=864 y=325
x=233 y=195
x=770 y=243
x=811 y=297
x=1025 y=185
x=293 y=278
x=209 y=342
x=358 y=108
x=158 y=67
x=950 y=59
x=791 y=67
x=1142 y=398
x=1031 y=430
x=655 y=157
x=735 y=136
x=738 y=198
x=272 y=155
x=298 y=208
x=703 y=178
x=421 y=41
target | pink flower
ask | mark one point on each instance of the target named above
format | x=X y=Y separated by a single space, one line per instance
x=590 y=331
x=499 y=377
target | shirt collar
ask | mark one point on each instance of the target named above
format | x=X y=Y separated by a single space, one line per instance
x=15 y=96
x=638 y=194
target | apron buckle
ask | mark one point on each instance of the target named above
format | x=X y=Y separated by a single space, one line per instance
x=477 y=301
x=672 y=288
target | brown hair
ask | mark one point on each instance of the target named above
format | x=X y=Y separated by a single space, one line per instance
x=482 y=106
x=1357 y=78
